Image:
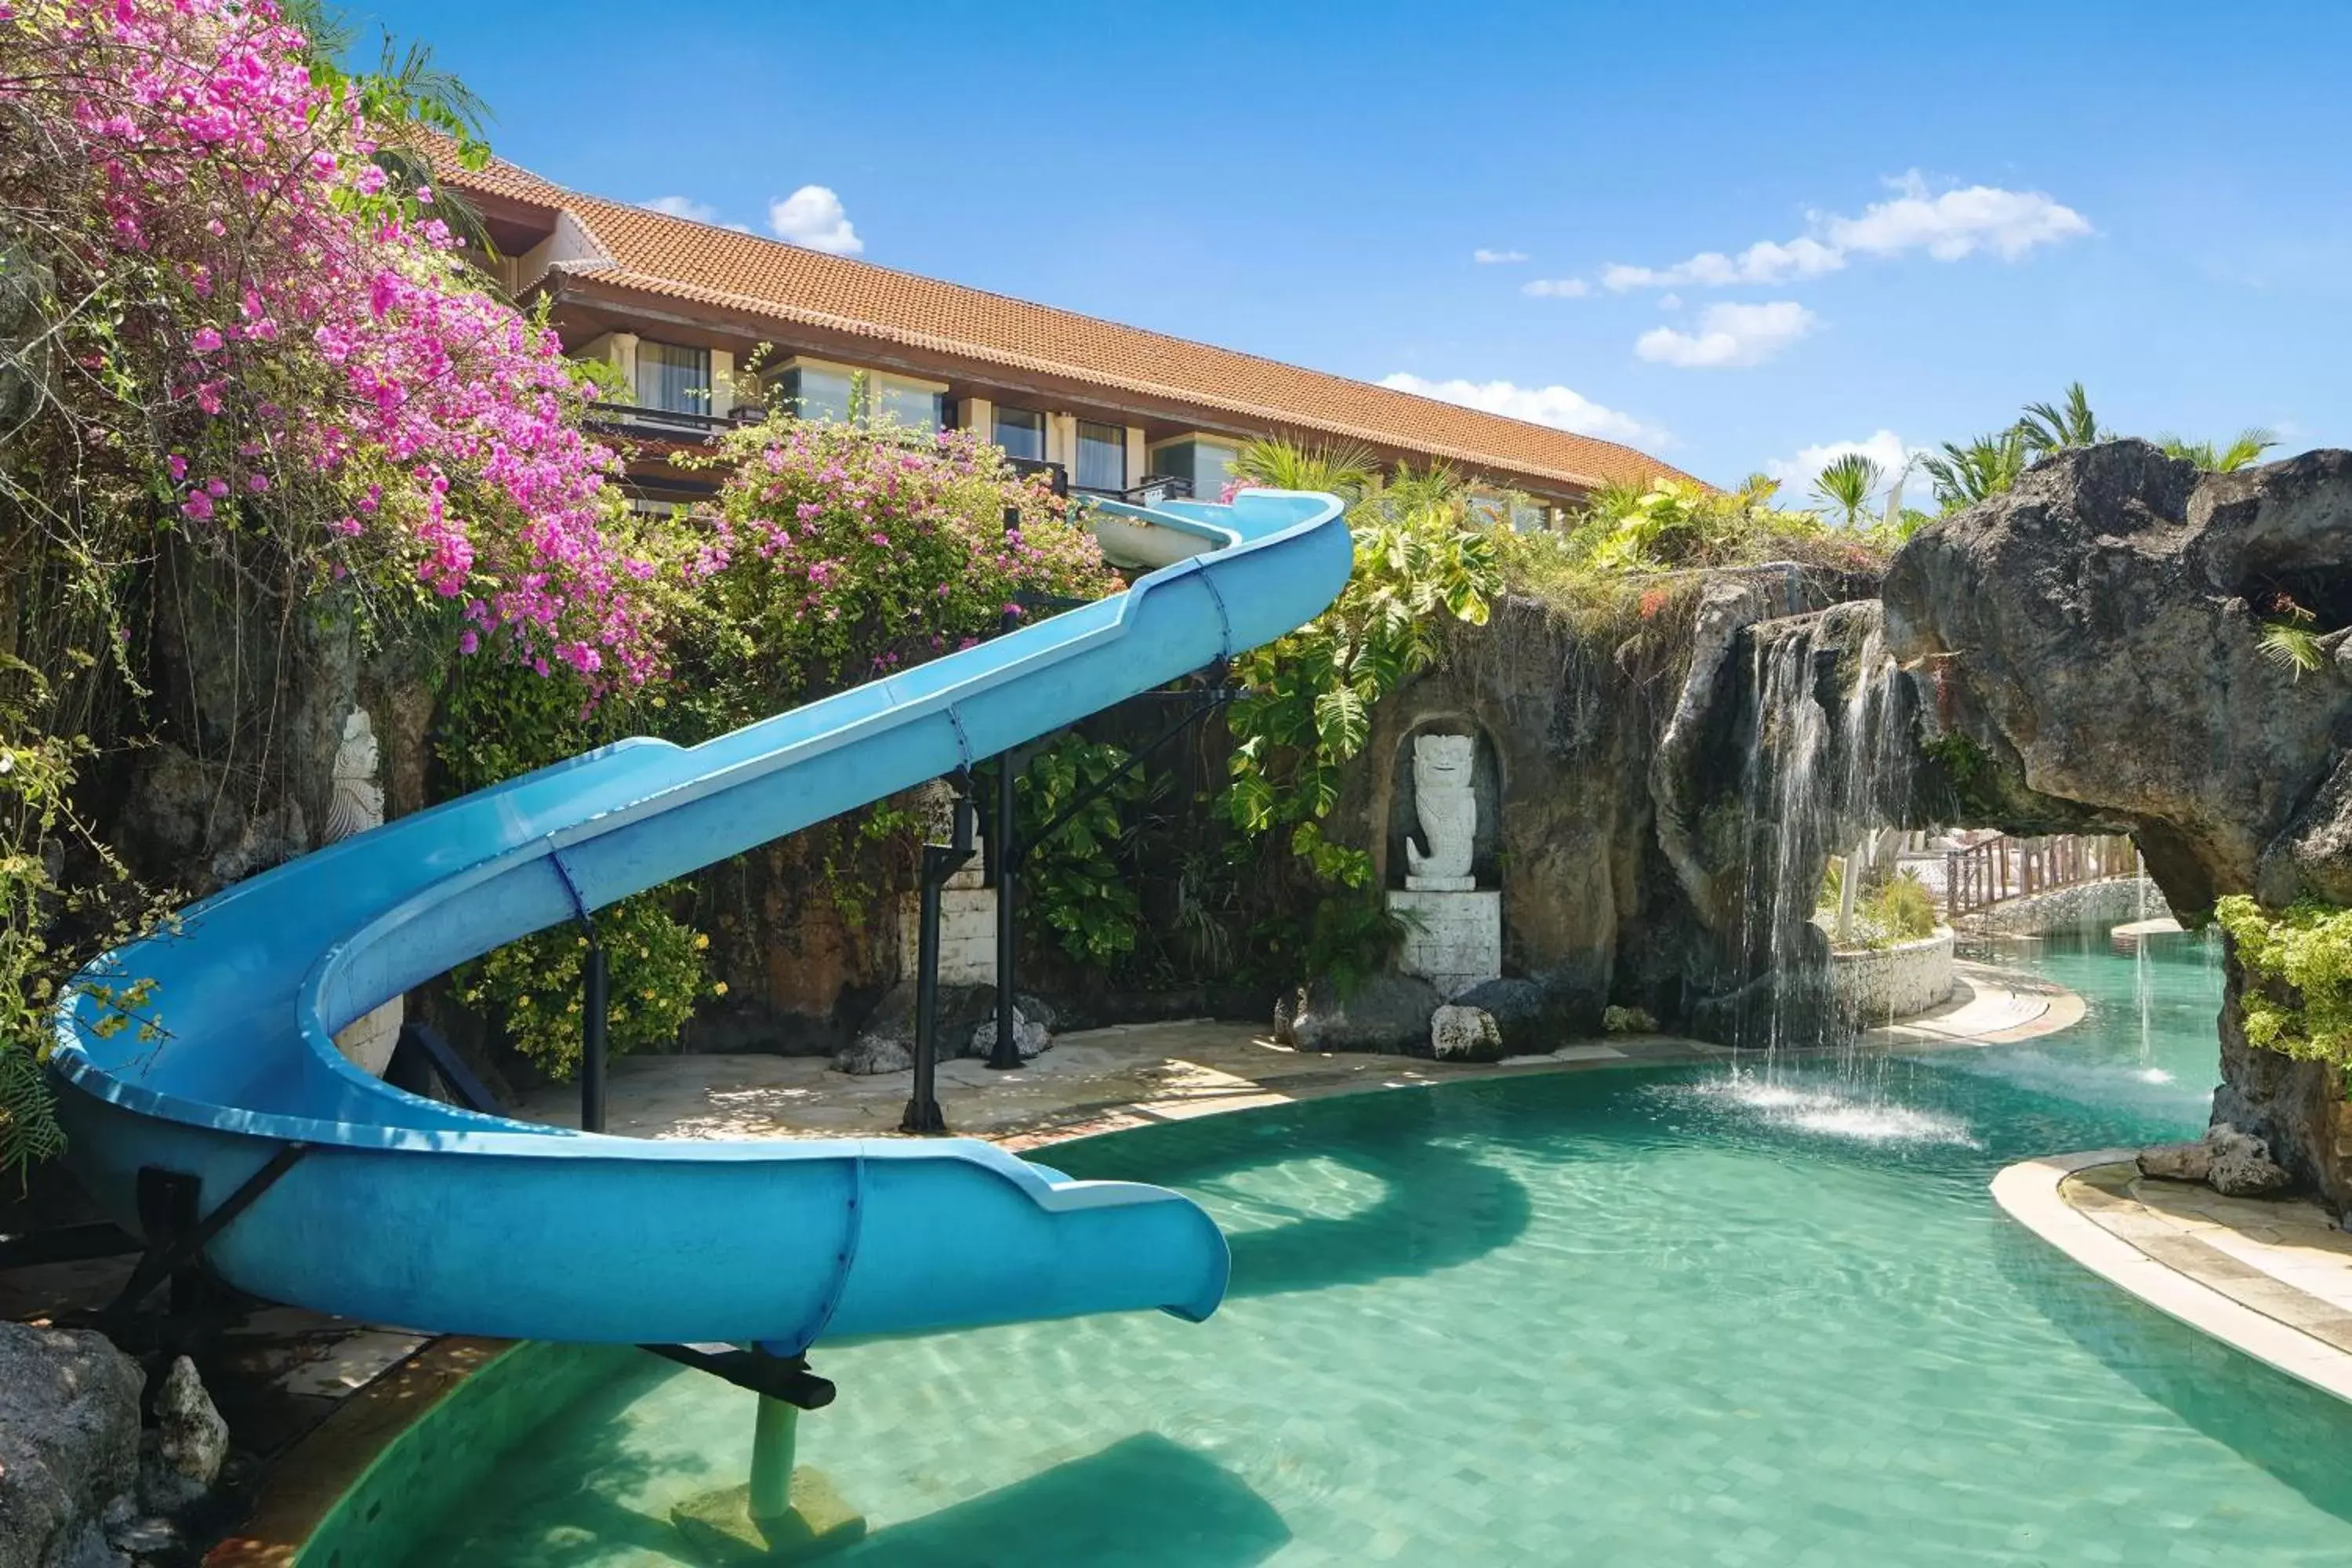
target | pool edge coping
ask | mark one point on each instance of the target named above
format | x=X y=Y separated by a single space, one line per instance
x=2031 y=1191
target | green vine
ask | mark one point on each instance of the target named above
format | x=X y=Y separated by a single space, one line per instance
x=1077 y=881
x=2301 y=958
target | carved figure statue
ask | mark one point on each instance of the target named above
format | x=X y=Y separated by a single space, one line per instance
x=1447 y=810
x=357 y=805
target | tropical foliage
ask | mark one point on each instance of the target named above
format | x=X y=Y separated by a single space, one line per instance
x=2301 y=961
x=830 y=555
x=231 y=338
x=1308 y=709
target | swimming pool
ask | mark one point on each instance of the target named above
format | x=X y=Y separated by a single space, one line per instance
x=1655 y=1317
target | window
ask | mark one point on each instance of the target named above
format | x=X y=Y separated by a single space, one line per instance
x=1022 y=433
x=1102 y=457
x=1487 y=510
x=672 y=379
x=1207 y=465
x=815 y=392
x=892 y=400
x=1529 y=517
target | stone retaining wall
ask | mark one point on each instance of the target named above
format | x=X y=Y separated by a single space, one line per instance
x=1890 y=983
x=2103 y=903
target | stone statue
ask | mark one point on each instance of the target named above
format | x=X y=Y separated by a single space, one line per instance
x=1448 y=812
x=356 y=806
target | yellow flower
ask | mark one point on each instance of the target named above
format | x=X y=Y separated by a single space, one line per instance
x=718 y=988
x=701 y=940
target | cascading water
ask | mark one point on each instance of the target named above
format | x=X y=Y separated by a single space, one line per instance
x=1827 y=769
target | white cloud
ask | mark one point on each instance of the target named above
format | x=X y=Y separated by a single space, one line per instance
x=684 y=206
x=1554 y=287
x=1729 y=334
x=813 y=216
x=1956 y=223
x=1557 y=406
x=1670 y=302
x=1763 y=262
x=1884 y=447
x=1947 y=225
x=1485 y=257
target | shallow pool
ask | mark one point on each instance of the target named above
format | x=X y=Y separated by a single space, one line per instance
x=1638 y=1318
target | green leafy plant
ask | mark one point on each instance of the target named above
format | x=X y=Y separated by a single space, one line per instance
x=1983 y=467
x=1353 y=936
x=2294 y=647
x=2046 y=427
x=2244 y=452
x=655 y=968
x=1077 y=881
x=1627 y=1021
x=2300 y=959
x=1308 y=709
x=1846 y=484
x=1903 y=907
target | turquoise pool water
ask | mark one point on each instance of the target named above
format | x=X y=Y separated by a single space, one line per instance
x=1624 y=1318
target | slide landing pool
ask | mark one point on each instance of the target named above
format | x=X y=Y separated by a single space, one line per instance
x=394 y=1208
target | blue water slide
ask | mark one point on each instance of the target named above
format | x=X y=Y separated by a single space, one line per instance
x=394 y=1208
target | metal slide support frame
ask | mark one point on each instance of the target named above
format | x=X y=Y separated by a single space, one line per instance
x=595 y=1006
x=1217 y=691
x=940 y=861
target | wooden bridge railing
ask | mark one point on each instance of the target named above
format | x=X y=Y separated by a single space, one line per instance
x=2005 y=868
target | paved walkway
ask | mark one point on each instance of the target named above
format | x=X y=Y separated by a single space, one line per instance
x=1091 y=1080
x=1990 y=1006
x=2271 y=1275
x=1098 y=1080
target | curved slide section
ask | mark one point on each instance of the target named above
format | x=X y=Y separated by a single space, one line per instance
x=399 y=1209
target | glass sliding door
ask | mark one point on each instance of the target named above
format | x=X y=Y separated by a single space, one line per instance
x=1102 y=456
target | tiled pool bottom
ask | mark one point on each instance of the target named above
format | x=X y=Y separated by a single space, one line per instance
x=1616 y=1317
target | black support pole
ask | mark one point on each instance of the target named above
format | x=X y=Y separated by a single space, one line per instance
x=1006 y=1053
x=594 y=987
x=940 y=861
x=923 y=1105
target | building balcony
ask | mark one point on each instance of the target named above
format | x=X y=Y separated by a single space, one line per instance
x=642 y=424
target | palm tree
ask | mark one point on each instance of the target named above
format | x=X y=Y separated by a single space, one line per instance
x=1279 y=463
x=2056 y=427
x=412 y=105
x=2242 y=453
x=1987 y=465
x=1847 y=484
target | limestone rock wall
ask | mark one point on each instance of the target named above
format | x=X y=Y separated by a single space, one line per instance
x=2089 y=654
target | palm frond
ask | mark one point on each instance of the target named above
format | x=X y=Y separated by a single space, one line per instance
x=2056 y=427
x=1847 y=484
x=2294 y=646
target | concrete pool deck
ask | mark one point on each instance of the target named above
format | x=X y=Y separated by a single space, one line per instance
x=2270 y=1277
x=1131 y=1075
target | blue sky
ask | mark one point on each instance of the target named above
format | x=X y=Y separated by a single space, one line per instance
x=1994 y=199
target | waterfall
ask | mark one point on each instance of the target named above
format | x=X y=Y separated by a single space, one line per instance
x=1826 y=764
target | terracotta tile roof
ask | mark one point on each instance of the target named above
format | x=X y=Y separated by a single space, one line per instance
x=655 y=253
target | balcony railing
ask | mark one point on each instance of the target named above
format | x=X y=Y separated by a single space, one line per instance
x=670 y=423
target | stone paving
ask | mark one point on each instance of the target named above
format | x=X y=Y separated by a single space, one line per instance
x=1098 y=1080
x=2285 y=1257
x=2271 y=1277
x=1092 y=1080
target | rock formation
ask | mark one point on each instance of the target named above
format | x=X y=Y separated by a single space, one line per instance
x=2088 y=651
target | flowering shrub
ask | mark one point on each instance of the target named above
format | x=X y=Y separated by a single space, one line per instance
x=835 y=554
x=830 y=555
x=237 y=317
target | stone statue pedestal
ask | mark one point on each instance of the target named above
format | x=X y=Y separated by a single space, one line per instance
x=1459 y=940
x=967 y=929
